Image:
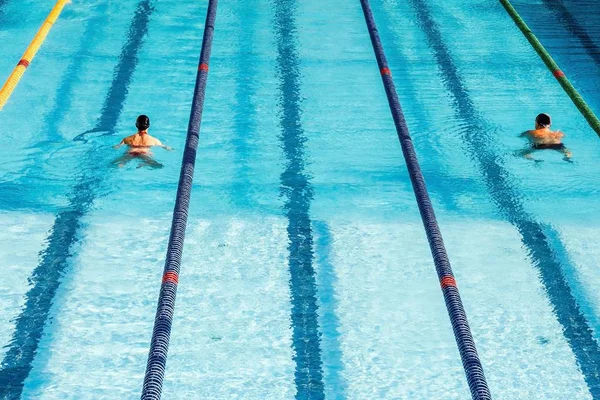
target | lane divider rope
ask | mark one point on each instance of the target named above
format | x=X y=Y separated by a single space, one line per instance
x=157 y=357
x=579 y=102
x=34 y=46
x=458 y=318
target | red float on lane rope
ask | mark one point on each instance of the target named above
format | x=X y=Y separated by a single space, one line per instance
x=385 y=71
x=170 y=277
x=24 y=63
x=447 y=281
x=203 y=67
x=558 y=73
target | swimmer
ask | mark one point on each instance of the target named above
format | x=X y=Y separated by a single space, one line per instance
x=139 y=145
x=542 y=138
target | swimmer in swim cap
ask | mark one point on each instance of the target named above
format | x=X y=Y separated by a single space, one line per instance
x=139 y=145
x=543 y=138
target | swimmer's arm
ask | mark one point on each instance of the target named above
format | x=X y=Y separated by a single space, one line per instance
x=558 y=135
x=119 y=145
x=159 y=144
x=125 y=141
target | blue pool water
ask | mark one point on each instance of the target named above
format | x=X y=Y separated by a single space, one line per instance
x=301 y=202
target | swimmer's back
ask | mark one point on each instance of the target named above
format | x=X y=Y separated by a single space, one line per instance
x=138 y=140
x=545 y=136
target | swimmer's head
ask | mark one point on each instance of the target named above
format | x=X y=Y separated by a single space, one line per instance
x=142 y=122
x=543 y=120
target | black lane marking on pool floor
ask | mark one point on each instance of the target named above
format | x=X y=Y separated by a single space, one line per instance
x=54 y=260
x=298 y=193
x=543 y=257
x=574 y=28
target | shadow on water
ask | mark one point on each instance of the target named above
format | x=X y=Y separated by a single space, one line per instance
x=298 y=193
x=537 y=239
x=64 y=234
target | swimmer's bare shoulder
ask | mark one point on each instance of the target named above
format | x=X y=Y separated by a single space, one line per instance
x=543 y=134
x=531 y=135
x=557 y=134
x=129 y=140
x=152 y=141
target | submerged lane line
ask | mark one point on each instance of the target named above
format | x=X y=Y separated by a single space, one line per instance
x=533 y=236
x=2 y=4
x=298 y=193
x=579 y=102
x=458 y=318
x=14 y=78
x=574 y=28
x=54 y=260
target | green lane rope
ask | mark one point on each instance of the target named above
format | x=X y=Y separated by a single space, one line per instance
x=581 y=105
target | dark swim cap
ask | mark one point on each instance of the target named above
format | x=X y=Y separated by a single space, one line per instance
x=544 y=120
x=142 y=122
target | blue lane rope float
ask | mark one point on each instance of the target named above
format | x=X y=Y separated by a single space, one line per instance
x=458 y=318
x=157 y=357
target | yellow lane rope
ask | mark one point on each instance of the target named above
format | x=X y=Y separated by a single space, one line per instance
x=34 y=46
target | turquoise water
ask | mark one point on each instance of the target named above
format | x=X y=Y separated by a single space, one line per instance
x=299 y=167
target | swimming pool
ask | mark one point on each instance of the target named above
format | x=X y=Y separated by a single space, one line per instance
x=297 y=132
